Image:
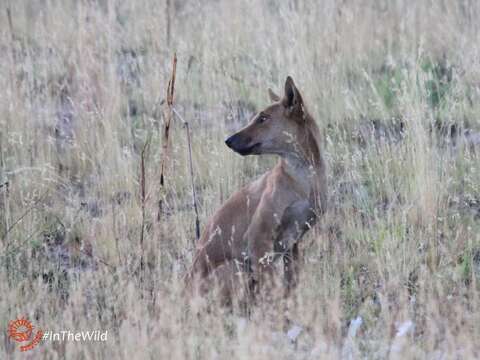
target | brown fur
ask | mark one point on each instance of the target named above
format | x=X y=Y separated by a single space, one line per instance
x=266 y=218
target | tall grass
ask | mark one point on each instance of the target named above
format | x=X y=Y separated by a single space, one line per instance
x=394 y=86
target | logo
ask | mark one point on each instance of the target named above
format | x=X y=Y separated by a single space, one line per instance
x=21 y=331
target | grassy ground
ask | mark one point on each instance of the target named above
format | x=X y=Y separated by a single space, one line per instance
x=392 y=270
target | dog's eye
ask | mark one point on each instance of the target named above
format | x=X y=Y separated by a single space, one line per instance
x=262 y=118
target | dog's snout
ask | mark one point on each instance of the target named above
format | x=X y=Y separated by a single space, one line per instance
x=240 y=144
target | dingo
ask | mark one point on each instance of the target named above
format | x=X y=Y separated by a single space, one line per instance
x=268 y=217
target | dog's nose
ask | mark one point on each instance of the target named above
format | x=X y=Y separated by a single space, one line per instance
x=229 y=141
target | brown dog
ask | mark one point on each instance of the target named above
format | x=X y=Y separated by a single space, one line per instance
x=268 y=217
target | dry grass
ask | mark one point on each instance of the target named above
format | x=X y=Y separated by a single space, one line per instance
x=395 y=88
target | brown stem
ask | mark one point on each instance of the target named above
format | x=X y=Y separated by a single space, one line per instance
x=192 y=181
x=143 y=199
x=168 y=114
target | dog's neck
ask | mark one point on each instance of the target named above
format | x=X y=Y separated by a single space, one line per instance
x=305 y=165
x=300 y=171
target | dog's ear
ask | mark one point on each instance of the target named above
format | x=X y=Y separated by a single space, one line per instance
x=292 y=99
x=274 y=97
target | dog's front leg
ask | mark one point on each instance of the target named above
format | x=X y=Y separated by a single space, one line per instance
x=297 y=219
x=259 y=240
x=291 y=268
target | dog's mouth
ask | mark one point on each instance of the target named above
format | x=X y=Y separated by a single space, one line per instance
x=249 y=150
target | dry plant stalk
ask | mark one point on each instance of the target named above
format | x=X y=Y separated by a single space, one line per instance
x=4 y=194
x=168 y=115
x=143 y=199
x=10 y=24
x=192 y=181
x=194 y=195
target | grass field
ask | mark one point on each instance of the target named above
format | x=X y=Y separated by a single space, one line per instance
x=391 y=271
